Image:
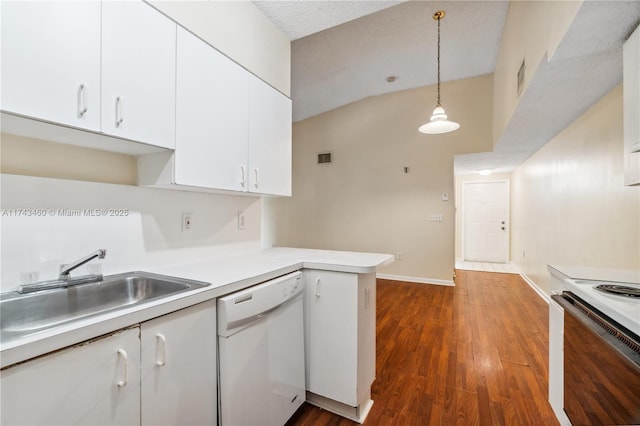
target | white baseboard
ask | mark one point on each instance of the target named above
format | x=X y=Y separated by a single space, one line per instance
x=357 y=414
x=436 y=281
x=535 y=287
x=419 y=280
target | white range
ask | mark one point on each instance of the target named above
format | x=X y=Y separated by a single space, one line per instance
x=582 y=281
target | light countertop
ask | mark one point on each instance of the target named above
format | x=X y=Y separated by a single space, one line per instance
x=598 y=274
x=226 y=274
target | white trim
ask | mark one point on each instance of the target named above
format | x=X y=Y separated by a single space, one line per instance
x=357 y=414
x=419 y=280
x=537 y=289
x=499 y=268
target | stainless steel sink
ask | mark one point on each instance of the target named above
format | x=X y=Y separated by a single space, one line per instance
x=25 y=314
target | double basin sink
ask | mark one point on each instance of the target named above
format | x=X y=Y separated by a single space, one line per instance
x=24 y=314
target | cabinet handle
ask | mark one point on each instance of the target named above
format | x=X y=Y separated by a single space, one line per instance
x=82 y=100
x=317 y=288
x=119 y=111
x=257 y=172
x=366 y=297
x=125 y=361
x=162 y=345
x=243 y=179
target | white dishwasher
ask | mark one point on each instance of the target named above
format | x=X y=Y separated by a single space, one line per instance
x=261 y=353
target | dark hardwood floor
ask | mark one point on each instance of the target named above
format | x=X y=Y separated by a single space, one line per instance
x=473 y=354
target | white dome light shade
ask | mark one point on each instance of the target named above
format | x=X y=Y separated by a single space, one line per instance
x=438 y=123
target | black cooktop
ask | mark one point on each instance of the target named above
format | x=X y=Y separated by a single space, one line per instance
x=620 y=290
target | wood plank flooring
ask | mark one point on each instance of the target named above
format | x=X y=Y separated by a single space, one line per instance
x=473 y=354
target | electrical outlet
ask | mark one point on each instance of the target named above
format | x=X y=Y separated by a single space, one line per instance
x=399 y=255
x=434 y=218
x=187 y=221
x=241 y=220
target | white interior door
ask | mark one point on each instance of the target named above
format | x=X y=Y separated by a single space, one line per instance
x=486 y=221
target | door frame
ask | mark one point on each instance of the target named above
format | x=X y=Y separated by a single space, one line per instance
x=463 y=213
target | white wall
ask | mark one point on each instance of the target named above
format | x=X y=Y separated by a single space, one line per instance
x=150 y=232
x=532 y=32
x=33 y=157
x=364 y=201
x=569 y=205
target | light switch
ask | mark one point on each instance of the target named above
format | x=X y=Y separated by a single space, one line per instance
x=241 y=221
x=186 y=221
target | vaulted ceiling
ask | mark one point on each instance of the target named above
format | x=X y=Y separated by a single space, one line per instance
x=343 y=51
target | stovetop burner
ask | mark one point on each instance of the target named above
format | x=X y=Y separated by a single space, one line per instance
x=619 y=290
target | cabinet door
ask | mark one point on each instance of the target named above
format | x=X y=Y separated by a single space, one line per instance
x=269 y=139
x=179 y=379
x=95 y=383
x=211 y=117
x=366 y=334
x=331 y=338
x=138 y=73
x=51 y=61
x=556 y=358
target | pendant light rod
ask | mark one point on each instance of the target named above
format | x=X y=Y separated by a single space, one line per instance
x=438 y=16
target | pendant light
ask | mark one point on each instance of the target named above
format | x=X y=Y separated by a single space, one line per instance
x=438 y=122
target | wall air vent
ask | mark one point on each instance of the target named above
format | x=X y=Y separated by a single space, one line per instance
x=521 y=78
x=325 y=157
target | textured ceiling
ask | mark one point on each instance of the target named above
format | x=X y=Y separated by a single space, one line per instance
x=585 y=67
x=343 y=51
x=302 y=18
x=352 y=61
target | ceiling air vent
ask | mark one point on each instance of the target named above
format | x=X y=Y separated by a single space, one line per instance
x=521 y=78
x=325 y=157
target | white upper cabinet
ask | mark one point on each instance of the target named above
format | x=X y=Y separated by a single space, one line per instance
x=269 y=139
x=211 y=117
x=631 y=89
x=138 y=73
x=233 y=131
x=51 y=61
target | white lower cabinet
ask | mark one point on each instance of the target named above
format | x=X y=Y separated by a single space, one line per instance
x=94 y=383
x=162 y=372
x=340 y=341
x=556 y=359
x=178 y=368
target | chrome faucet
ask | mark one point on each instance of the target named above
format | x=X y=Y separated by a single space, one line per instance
x=65 y=280
x=65 y=270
